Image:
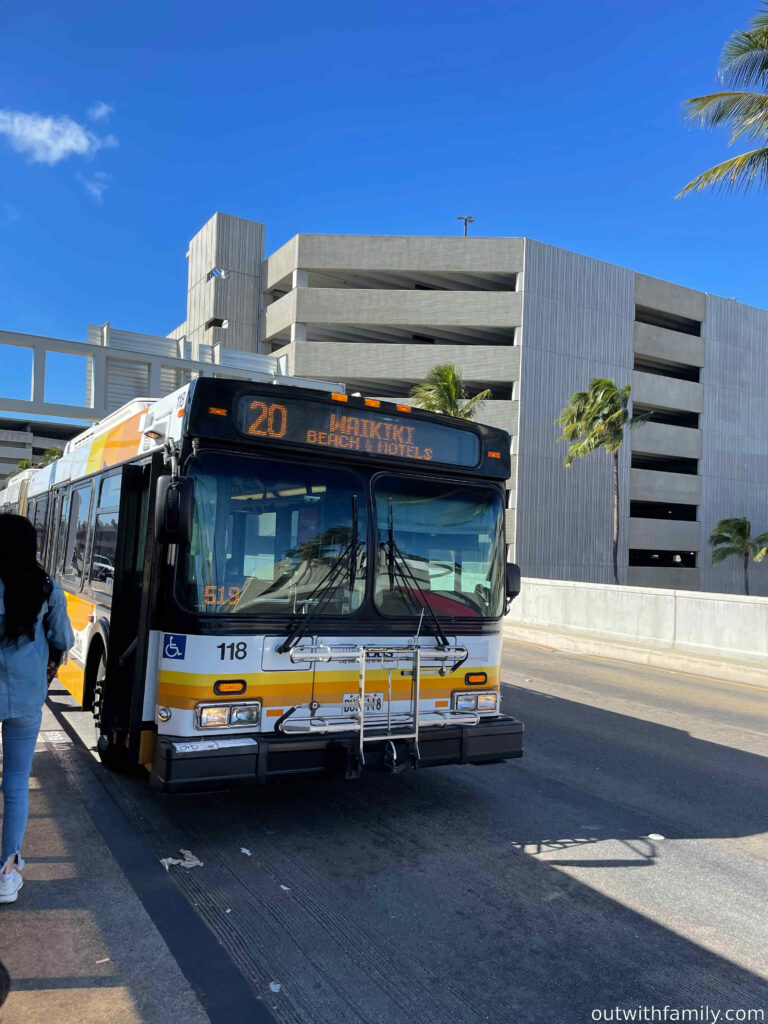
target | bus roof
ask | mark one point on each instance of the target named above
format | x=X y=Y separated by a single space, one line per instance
x=122 y=436
x=144 y=425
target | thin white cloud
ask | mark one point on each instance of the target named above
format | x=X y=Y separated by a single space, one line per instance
x=95 y=185
x=48 y=140
x=9 y=213
x=100 y=111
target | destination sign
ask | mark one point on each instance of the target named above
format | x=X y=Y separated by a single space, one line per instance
x=356 y=430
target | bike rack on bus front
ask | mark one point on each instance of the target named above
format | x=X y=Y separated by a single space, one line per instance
x=415 y=658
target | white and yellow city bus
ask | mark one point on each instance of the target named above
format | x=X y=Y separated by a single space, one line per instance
x=271 y=579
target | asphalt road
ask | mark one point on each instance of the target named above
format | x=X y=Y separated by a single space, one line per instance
x=522 y=892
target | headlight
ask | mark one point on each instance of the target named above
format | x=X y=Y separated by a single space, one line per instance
x=214 y=717
x=466 y=701
x=245 y=714
x=487 y=701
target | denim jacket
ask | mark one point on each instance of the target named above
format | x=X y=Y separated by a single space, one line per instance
x=23 y=685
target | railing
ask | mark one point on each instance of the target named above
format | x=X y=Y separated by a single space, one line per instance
x=117 y=362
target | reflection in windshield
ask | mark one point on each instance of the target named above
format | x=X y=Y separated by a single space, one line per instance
x=450 y=540
x=270 y=537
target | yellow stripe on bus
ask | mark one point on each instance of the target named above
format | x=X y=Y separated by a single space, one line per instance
x=188 y=689
x=79 y=610
x=72 y=676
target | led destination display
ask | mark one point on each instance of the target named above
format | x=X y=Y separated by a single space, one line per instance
x=353 y=429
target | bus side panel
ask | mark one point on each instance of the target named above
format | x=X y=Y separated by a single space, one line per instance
x=80 y=610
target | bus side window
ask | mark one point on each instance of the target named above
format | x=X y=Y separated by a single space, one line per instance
x=38 y=517
x=59 y=529
x=102 y=573
x=74 y=550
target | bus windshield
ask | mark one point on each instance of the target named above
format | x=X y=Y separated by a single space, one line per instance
x=439 y=544
x=274 y=537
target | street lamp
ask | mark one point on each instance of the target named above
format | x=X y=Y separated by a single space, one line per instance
x=467 y=220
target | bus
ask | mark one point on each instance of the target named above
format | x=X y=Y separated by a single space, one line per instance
x=275 y=578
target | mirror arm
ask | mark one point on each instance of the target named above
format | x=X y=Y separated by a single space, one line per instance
x=171 y=457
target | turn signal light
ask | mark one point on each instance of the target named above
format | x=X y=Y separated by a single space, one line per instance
x=229 y=686
x=475 y=678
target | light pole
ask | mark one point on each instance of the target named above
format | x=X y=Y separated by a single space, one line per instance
x=467 y=220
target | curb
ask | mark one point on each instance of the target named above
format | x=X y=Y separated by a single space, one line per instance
x=600 y=646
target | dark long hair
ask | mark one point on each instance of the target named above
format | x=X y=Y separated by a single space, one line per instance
x=23 y=578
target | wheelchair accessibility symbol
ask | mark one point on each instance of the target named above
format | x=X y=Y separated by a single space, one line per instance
x=174 y=646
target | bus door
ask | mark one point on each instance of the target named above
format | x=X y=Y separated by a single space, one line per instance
x=126 y=738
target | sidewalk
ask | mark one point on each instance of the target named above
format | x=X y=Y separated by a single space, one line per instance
x=78 y=943
x=603 y=646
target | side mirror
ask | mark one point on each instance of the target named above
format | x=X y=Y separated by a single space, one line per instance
x=174 y=506
x=512 y=580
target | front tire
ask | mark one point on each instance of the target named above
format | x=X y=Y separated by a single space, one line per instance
x=111 y=747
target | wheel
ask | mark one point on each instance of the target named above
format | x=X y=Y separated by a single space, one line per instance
x=112 y=750
x=98 y=689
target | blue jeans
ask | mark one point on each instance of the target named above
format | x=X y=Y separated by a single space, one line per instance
x=19 y=738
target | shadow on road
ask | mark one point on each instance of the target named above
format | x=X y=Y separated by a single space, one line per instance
x=409 y=898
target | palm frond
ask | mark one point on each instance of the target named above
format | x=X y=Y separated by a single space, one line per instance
x=581 y=448
x=735 y=525
x=743 y=60
x=595 y=419
x=469 y=409
x=746 y=113
x=749 y=64
x=720 y=554
x=716 y=538
x=738 y=173
x=442 y=390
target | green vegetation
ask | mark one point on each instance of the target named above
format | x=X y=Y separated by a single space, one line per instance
x=442 y=390
x=49 y=455
x=743 y=67
x=596 y=419
x=733 y=537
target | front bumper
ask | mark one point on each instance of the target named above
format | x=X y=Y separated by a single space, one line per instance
x=184 y=764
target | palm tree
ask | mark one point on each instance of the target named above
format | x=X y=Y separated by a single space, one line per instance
x=732 y=537
x=596 y=419
x=50 y=455
x=21 y=465
x=743 y=67
x=442 y=390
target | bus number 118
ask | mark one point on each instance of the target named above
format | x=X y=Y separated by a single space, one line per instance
x=236 y=651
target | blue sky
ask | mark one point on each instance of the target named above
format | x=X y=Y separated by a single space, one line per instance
x=559 y=120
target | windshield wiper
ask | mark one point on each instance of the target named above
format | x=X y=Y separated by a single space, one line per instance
x=326 y=588
x=398 y=565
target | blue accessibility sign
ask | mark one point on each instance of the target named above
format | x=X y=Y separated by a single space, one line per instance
x=174 y=646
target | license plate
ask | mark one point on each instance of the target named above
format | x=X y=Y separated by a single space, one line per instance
x=373 y=702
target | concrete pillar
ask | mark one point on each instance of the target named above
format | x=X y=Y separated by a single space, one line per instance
x=300 y=279
x=298 y=332
x=98 y=381
x=154 y=379
x=38 y=375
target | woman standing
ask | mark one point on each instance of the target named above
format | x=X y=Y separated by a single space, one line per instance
x=33 y=615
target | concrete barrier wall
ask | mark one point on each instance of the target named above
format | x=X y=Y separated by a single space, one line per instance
x=718 y=624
